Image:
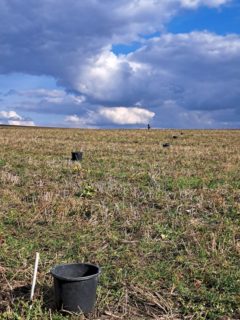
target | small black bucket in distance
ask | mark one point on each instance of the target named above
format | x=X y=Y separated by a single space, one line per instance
x=75 y=286
x=166 y=145
x=77 y=156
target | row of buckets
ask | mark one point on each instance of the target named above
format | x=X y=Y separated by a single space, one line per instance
x=75 y=285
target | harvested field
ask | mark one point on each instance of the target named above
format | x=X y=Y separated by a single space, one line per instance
x=163 y=223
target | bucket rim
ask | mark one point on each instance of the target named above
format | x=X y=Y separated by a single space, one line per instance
x=55 y=275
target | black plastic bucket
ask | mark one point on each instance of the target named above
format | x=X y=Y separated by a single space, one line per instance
x=75 y=286
x=166 y=145
x=77 y=156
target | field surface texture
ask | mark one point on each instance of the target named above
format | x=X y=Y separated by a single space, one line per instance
x=162 y=223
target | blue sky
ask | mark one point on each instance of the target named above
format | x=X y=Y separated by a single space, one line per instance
x=106 y=64
x=223 y=20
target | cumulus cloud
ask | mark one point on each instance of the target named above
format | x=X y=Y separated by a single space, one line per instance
x=36 y=41
x=73 y=119
x=123 y=115
x=76 y=121
x=12 y=118
x=116 y=115
x=10 y=115
x=198 y=71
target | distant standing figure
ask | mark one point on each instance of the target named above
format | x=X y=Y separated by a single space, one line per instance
x=148 y=126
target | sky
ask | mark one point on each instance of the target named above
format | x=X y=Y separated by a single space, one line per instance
x=120 y=64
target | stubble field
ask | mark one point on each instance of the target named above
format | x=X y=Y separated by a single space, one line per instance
x=163 y=223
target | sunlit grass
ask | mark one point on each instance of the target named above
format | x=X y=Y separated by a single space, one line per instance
x=163 y=223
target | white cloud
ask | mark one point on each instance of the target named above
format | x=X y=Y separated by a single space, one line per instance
x=73 y=119
x=116 y=115
x=197 y=3
x=88 y=120
x=83 y=121
x=104 y=78
x=52 y=96
x=12 y=118
x=126 y=116
x=10 y=115
x=21 y=123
